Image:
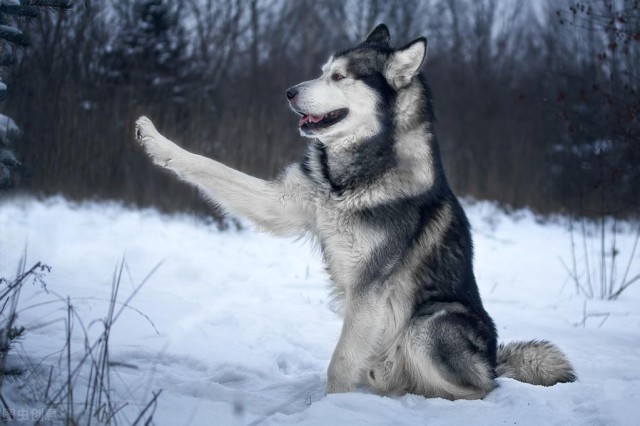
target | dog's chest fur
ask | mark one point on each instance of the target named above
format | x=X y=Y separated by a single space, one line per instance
x=347 y=243
x=352 y=226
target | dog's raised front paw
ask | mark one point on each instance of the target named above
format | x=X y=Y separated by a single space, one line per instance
x=160 y=149
x=144 y=128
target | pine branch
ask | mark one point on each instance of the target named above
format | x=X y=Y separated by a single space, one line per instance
x=13 y=35
x=30 y=8
x=19 y=11
x=55 y=4
x=7 y=59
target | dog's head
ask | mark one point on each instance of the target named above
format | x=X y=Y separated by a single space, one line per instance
x=356 y=88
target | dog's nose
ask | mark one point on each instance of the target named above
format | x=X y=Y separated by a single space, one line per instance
x=291 y=93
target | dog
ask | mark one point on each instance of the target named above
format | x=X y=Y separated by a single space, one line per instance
x=372 y=192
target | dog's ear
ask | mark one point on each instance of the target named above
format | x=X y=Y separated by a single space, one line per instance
x=405 y=62
x=380 y=34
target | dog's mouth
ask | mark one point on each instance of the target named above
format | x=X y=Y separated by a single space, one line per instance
x=313 y=122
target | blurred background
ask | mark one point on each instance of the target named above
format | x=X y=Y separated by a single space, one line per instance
x=537 y=101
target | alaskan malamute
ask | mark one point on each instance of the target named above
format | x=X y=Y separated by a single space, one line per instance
x=371 y=190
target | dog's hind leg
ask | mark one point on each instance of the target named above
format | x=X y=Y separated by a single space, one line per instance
x=445 y=355
x=275 y=206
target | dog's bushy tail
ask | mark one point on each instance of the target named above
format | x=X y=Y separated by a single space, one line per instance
x=537 y=362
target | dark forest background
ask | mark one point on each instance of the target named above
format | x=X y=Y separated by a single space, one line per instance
x=538 y=102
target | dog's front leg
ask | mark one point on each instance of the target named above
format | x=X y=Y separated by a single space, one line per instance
x=356 y=344
x=273 y=206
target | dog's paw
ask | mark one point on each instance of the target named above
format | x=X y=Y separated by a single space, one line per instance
x=144 y=128
x=338 y=387
x=336 y=384
x=161 y=150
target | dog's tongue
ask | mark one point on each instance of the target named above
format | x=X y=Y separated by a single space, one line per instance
x=310 y=118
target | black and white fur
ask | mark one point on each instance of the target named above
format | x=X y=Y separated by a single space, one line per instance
x=372 y=192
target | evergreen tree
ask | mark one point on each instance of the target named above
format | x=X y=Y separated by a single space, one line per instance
x=150 y=51
x=12 y=12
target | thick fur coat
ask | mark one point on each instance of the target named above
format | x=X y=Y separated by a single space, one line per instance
x=371 y=190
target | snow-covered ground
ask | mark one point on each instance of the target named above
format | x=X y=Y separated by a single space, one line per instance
x=243 y=330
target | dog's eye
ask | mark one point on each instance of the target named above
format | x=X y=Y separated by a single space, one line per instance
x=337 y=77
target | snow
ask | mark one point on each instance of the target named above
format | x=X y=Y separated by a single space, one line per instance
x=245 y=330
